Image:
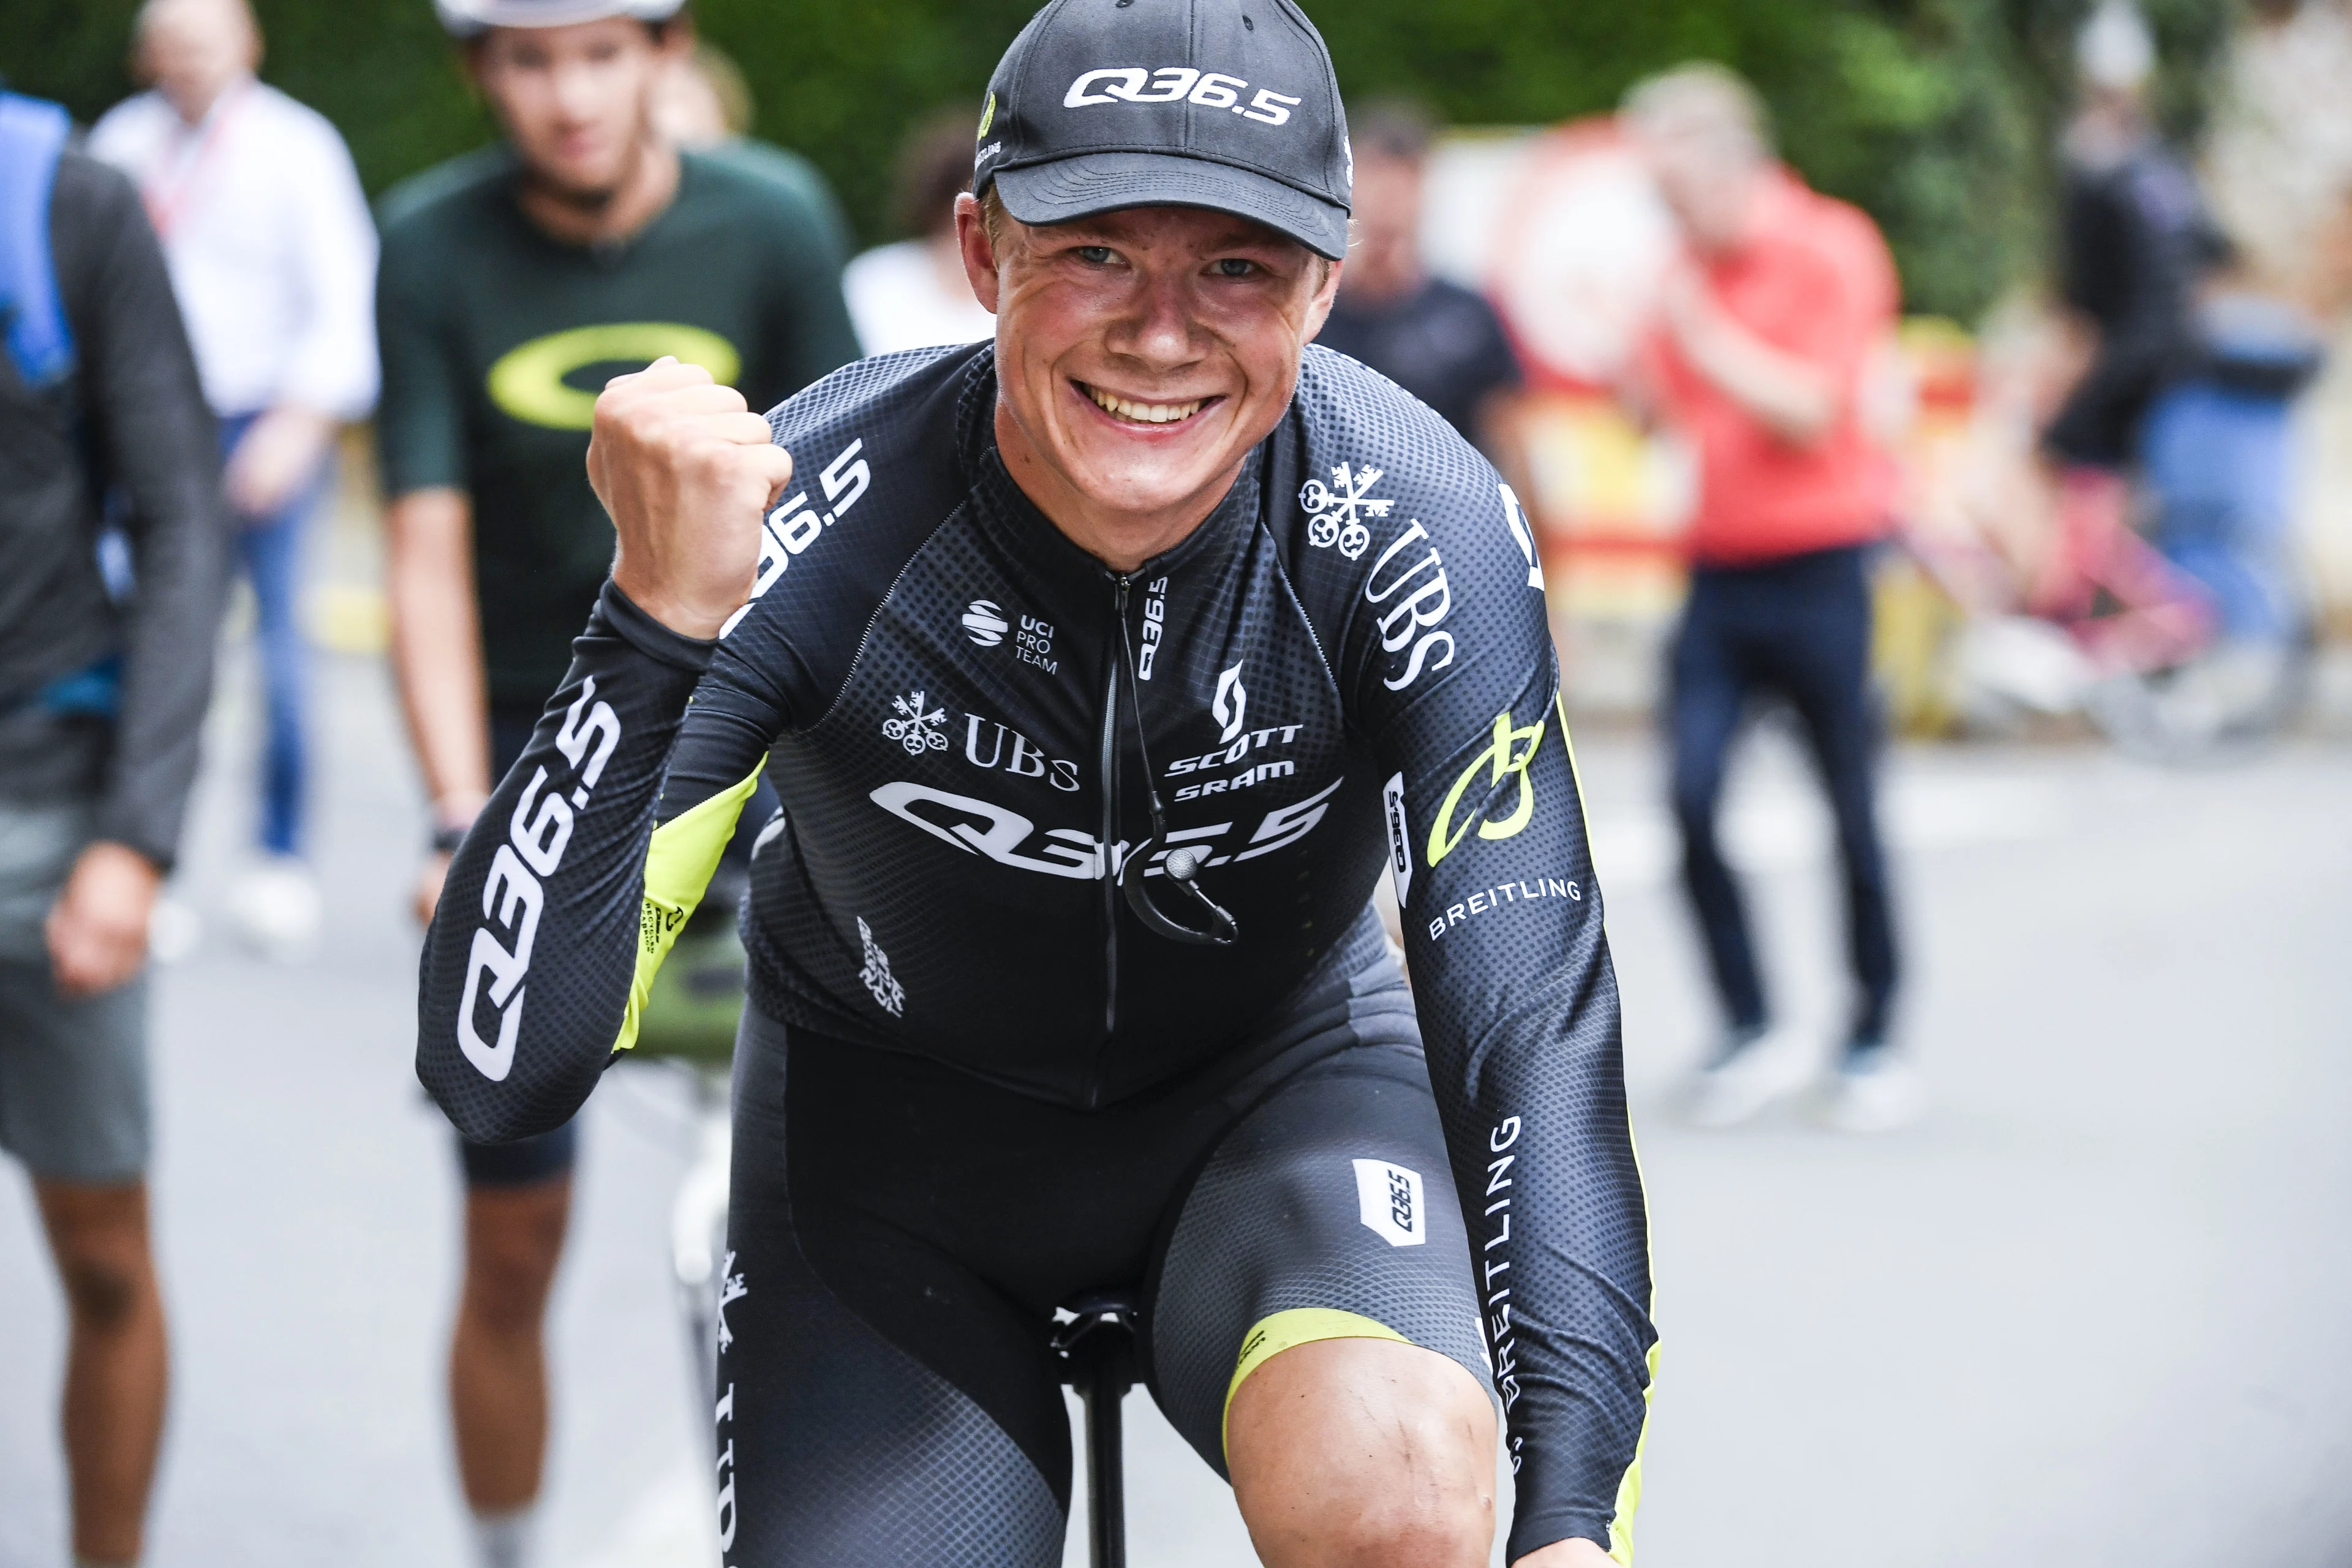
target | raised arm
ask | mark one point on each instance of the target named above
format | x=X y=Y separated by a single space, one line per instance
x=1518 y=1007
x=565 y=878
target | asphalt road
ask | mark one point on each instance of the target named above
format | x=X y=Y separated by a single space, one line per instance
x=2089 y=1311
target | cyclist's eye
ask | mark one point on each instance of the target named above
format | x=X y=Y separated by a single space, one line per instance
x=1236 y=266
x=1095 y=255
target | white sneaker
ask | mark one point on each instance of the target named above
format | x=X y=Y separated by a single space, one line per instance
x=1875 y=1090
x=277 y=910
x=1747 y=1076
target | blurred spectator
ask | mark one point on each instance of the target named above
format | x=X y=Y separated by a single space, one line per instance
x=100 y=702
x=914 y=294
x=273 y=259
x=2279 y=162
x=1768 y=330
x=2133 y=235
x=516 y=280
x=702 y=104
x=1437 y=340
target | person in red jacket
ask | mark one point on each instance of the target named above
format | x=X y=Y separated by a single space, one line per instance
x=1766 y=336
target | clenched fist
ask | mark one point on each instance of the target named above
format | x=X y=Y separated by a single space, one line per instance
x=685 y=468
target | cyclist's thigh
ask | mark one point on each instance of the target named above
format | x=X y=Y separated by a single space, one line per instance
x=1328 y=1213
x=877 y=1402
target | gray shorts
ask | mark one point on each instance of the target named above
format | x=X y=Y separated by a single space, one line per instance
x=73 y=1070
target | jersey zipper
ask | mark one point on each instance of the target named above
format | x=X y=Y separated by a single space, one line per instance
x=1109 y=762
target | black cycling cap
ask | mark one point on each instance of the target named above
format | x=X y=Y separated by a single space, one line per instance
x=1226 y=104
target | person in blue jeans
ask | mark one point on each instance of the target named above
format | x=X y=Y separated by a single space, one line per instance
x=272 y=258
x=269 y=549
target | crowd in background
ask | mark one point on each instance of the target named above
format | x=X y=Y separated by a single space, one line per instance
x=189 y=433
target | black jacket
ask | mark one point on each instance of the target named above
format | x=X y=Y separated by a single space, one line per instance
x=130 y=418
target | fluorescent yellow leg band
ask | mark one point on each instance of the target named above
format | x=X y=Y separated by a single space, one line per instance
x=1299 y=1326
x=679 y=861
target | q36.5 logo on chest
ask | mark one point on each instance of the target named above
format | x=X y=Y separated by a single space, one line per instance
x=1177 y=84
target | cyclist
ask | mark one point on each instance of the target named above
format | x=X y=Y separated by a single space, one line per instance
x=1092 y=665
x=508 y=276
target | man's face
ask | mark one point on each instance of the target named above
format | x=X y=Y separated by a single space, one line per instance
x=1144 y=352
x=573 y=99
x=1707 y=174
x=192 y=50
x=1385 y=255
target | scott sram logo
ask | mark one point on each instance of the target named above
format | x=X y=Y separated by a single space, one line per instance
x=1504 y=758
x=984 y=623
x=1229 y=707
x=1174 y=84
x=512 y=896
x=915 y=729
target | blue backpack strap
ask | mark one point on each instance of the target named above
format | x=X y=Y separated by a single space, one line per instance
x=41 y=339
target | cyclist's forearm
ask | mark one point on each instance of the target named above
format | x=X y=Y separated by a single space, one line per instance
x=1519 y=1015
x=529 y=963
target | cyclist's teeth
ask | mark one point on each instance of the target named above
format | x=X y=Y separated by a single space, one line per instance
x=1145 y=412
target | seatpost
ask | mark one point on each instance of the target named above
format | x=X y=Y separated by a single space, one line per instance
x=1097 y=1348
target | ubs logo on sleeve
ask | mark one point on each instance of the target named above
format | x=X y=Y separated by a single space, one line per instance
x=1387 y=1200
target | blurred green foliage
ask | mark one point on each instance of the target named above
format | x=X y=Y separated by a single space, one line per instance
x=1937 y=116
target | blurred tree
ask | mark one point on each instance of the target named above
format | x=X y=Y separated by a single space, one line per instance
x=1935 y=115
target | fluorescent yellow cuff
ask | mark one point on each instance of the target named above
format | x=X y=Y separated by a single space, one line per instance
x=1285 y=1331
x=679 y=861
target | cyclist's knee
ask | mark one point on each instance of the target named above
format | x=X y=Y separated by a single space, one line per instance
x=1349 y=1452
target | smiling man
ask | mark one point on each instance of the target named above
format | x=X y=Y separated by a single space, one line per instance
x=515 y=282
x=1099 y=669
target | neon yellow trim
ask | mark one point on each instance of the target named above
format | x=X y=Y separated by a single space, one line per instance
x=679 y=861
x=1288 y=1331
x=1629 y=1485
x=1559 y=706
x=528 y=381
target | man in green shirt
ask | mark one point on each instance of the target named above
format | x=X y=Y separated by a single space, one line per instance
x=515 y=281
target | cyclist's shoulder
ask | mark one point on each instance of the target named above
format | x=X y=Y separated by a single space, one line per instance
x=878 y=463
x=447 y=202
x=1404 y=464
x=1349 y=411
x=1398 y=523
x=900 y=407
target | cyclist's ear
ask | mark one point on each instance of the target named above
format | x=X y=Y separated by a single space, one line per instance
x=978 y=230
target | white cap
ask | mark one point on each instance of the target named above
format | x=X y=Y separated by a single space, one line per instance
x=2115 y=49
x=465 y=18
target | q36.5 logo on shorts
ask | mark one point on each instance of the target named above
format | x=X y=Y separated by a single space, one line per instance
x=1389 y=1202
x=1174 y=84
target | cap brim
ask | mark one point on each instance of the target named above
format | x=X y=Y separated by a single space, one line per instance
x=1095 y=182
